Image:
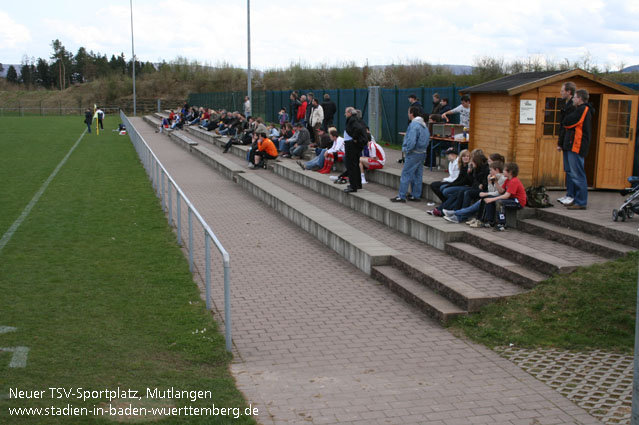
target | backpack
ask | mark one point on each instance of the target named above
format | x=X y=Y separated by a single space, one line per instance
x=537 y=197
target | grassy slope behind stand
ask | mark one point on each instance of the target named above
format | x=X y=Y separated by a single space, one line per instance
x=593 y=308
x=97 y=287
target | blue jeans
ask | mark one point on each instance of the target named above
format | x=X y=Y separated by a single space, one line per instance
x=578 y=177
x=412 y=175
x=570 y=186
x=298 y=151
x=317 y=162
x=88 y=127
x=451 y=193
x=466 y=213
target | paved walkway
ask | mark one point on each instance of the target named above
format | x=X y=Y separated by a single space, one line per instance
x=320 y=342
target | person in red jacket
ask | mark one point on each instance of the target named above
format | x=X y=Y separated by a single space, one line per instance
x=513 y=196
x=301 y=111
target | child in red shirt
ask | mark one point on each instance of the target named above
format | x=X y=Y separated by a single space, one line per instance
x=513 y=196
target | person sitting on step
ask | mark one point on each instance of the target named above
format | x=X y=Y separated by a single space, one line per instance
x=264 y=149
x=296 y=145
x=513 y=197
x=373 y=158
x=454 y=162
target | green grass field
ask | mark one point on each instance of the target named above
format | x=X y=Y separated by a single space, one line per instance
x=95 y=284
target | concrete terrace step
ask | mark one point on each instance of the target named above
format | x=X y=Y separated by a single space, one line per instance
x=153 y=121
x=182 y=139
x=522 y=254
x=401 y=217
x=355 y=246
x=217 y=161
x=218 y=141
x=586 y=226
x=575 y=238
x=495 y=264
x=450 y=287
x=424 y=298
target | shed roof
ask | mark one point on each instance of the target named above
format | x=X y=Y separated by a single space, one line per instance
x=517 y=83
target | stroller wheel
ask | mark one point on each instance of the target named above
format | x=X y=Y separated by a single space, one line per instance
x=630 y=213
x=615 y=215
x=622 y=214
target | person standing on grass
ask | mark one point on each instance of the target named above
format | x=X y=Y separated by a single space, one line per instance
x=88 y=117
x=100 y=114
x=414 y=149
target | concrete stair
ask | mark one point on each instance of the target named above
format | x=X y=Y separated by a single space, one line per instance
x=530 y=257
x=605 y=232
x=419 y=295
x=575 y=238
x=496 y=264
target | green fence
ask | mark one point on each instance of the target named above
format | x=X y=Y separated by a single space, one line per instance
x=394 y=104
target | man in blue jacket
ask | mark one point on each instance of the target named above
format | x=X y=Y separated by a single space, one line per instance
x=414 y=148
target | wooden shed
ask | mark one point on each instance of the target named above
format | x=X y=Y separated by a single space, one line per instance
x=518 y=115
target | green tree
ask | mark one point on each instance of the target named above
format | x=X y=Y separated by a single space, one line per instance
x=12 y=75
x=62 y=65
x=43 y=74
x=81 y=63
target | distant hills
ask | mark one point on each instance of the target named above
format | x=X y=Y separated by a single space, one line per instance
x=633 y=68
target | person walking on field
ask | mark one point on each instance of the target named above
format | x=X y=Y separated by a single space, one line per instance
x=88 y=117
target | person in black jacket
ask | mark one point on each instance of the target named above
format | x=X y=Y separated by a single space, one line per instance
x=88 y=118
x=412 y=99
x=577 y=125
x=355 y=138
x=329 y=108
x=567 y=92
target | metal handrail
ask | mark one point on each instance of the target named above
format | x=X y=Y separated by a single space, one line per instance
x=156 y=171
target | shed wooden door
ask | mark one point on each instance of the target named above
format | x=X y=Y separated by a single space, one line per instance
x=549 y=168
x=615 y=154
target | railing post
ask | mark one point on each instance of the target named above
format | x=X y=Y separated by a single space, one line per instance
x=179 y=218
x=190 y=240
x=163 y=194
x=207 y=255
x=227 y=306
x=170 y=205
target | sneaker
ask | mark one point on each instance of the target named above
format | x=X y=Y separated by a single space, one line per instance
x=476 y=224
x=471 y=221
x=499 y=228
x=452 y=218
x=398 y=199
x=437 y=213
x=567 y=200
x=341 y=180
x=487 y=225
x=301 y=165
x=561 y=200
x=251 y=166
x=430 y=212
x=413 y=199
x=448 y=213
x=364 y=181
x=333 y=177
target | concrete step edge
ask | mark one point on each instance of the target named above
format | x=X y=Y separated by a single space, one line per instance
x=576 y=238
x=419 y=295
x=454 y=289
x=511 y=271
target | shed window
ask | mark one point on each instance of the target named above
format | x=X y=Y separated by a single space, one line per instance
x=551 y=115
x=618 y=119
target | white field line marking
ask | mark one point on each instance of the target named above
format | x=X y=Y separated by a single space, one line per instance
x=7 y=236
x=19 y=358
x=7 y=329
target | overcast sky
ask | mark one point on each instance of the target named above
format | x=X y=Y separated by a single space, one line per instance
x=327 y=31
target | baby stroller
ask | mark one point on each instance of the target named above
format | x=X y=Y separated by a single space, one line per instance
x=630 y=207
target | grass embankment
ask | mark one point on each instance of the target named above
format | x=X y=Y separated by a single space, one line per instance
x=95 y=284
x=592 y=308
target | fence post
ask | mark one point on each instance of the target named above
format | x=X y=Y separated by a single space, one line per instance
x=179 y=218
x=170 y=205
x=190 y=240
x=396 y=113
x=227 y=305
x=207 y=254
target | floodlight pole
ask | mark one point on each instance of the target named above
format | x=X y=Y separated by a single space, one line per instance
x=133 y=60
x=634 y=417
x=248 y=30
